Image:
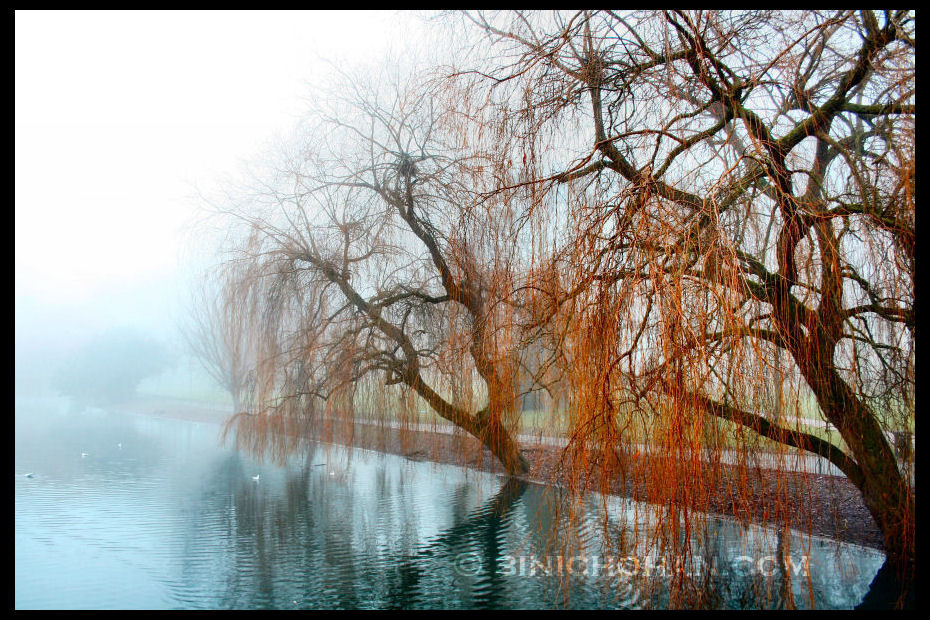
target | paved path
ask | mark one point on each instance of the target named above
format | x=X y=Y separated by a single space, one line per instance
x=808 y=463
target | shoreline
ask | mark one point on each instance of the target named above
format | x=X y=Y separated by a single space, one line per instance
x=175 y=409
x=817 y=504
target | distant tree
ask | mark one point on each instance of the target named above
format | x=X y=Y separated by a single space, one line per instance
x=218 y=334
x=110 y=367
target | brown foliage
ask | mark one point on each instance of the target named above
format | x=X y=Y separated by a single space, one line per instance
x=693 y=230
x=739 y=193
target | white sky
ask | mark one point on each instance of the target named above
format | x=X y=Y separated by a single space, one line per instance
x=120 y=114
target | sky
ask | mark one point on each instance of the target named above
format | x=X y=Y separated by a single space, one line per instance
x=122 y=117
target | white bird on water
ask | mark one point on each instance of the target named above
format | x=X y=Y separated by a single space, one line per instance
x=120 y=446
x=83 y=455
x=256 y=477
x=30 y=475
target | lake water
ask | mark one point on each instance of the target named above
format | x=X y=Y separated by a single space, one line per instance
x=173 y=519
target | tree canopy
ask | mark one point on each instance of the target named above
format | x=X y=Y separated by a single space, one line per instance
x=111 y=365
x=683 y=226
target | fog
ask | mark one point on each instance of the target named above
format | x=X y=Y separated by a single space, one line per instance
x=665 y=258
x=124 y=121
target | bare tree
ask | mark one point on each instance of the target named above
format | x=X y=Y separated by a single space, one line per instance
x=368 y=267
x=740 y=189
x=218 y=334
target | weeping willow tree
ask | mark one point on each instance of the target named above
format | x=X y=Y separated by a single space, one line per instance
x=695 y=231
x=378 y=273
x=736 y=194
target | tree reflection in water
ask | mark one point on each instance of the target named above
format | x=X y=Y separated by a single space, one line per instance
x=386 y=533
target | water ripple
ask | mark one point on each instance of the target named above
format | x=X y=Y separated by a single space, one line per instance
x=175 y=520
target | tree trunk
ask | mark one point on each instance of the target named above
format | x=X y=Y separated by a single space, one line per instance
x=884 y=488
x=485 y=425
x=496 y=438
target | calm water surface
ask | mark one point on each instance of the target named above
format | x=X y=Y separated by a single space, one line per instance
x=173 y=519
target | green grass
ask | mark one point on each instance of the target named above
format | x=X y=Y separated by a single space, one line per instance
x=557 y=424
x=729 y=436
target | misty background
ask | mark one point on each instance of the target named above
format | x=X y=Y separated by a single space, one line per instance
x=124 y=123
